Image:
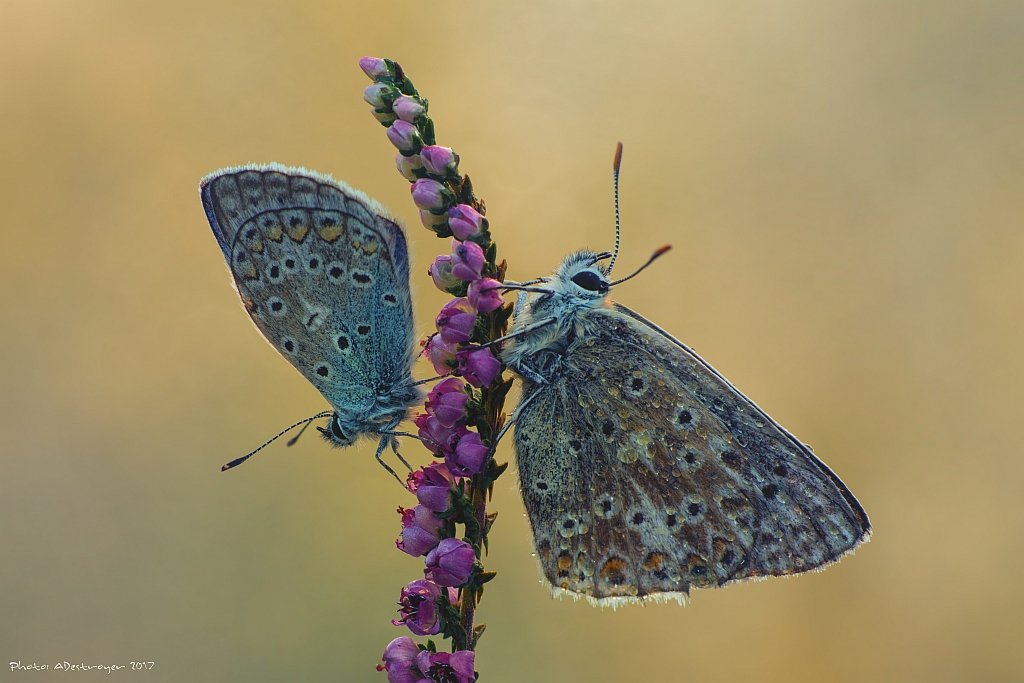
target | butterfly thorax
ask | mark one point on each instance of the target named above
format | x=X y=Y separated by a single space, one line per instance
x=388 y=409
x=558 y=315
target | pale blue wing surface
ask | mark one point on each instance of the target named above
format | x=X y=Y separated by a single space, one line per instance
x=324 y=274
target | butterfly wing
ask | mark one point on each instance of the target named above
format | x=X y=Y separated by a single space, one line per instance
x=644 y=472
x=323 y=273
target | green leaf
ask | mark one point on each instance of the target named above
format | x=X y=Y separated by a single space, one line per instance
x=497 y=469
x=427 y=131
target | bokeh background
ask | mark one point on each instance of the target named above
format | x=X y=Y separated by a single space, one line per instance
x=842 y=183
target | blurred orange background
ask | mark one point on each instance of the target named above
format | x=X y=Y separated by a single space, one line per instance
x=842 y=185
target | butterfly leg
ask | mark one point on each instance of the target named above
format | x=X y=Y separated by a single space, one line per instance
x=380 y=449
x=526 y=330
x=429 y=379
x=535 y=281
x=529 y=373
x=394 y=447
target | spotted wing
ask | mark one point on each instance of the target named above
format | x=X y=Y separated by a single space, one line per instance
x=644 y=472
x=324 y=274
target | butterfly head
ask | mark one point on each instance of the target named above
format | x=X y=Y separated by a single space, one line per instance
x=339 y=432
x=581 y=278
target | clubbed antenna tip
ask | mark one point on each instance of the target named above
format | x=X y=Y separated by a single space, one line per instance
x=615 y=191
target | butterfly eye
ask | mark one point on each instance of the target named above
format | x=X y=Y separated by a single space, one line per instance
x=589 y=280
x=336 y=431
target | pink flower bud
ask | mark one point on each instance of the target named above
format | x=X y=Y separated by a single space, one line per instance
x=441 y=354
x=456 y=321
x=404 y=136
x=400 y=657
x=441 y=273
x=435 y=436
x=456 y=667
x=465 y=221
x=477 y=365
x=408 y=108
x=427 y=193
x=439 y=161
x=485 y=295
x=418 y=607
x=447 y=402
x=408 y=166
x=380 y=95
x=467 y=260
x=432 y=485
x=451 y=562
x=468 y=456
x=421 y=530
x=374 y=67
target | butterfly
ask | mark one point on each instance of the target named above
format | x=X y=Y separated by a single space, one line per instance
x=645 y=472
x=323 y=271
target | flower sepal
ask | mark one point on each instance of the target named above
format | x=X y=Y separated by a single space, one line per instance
x=451 y=621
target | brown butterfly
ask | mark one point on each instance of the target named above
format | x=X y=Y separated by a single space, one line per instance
x=643 y=470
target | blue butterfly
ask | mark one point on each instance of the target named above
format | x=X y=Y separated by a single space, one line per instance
x=323 y=271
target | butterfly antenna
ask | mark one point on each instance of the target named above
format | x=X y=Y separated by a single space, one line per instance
x=657 y=252
x=292 y=441
x=238 y=461
x=615 y=190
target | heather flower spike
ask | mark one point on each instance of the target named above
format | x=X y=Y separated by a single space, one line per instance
x=461 y=413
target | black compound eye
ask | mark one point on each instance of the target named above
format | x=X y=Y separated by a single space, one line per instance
x=588 y=279
x=336 y=431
